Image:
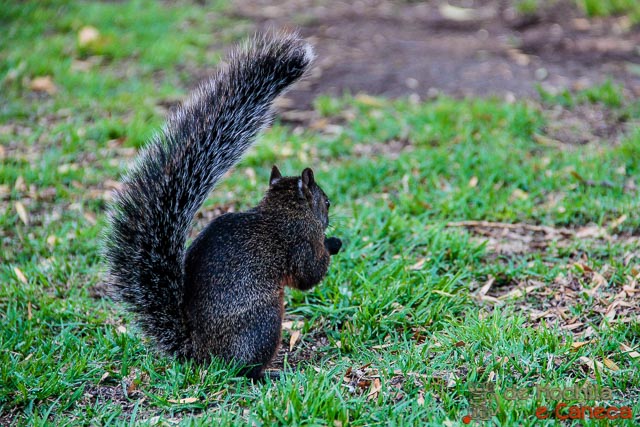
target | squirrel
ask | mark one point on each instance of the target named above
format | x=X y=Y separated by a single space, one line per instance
x=223 y=296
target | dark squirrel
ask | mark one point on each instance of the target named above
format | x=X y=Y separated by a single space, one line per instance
x=223 y=296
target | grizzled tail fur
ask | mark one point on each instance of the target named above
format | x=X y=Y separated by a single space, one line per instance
x=150 y=217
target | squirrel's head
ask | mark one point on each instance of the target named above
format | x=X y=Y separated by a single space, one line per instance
x=299 y=191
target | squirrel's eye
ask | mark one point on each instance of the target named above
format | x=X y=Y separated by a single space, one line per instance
x=327 y=203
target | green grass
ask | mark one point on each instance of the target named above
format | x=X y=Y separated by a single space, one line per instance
x=611 y=7
x=399 y=304
x=608 y=94
x=592 y=8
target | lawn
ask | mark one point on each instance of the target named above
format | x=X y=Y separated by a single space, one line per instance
x=487 y=261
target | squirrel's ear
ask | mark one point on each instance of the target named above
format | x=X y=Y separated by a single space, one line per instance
x=275 y=175
x=307 y=177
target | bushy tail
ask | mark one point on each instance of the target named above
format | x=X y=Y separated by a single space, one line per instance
x=151 y=216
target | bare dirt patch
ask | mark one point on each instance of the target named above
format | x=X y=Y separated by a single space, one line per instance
x=580 y=300
x=583 y=124
x=515 y=239
x=296 y=349
x=421 y=49
x=113 y=393
x=8 y=418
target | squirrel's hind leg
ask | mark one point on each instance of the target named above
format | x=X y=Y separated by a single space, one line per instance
x=258 y=341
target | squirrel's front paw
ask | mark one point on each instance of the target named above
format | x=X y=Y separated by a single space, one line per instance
x=333 y=245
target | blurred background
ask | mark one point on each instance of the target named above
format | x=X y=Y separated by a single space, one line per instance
x=511 y=49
